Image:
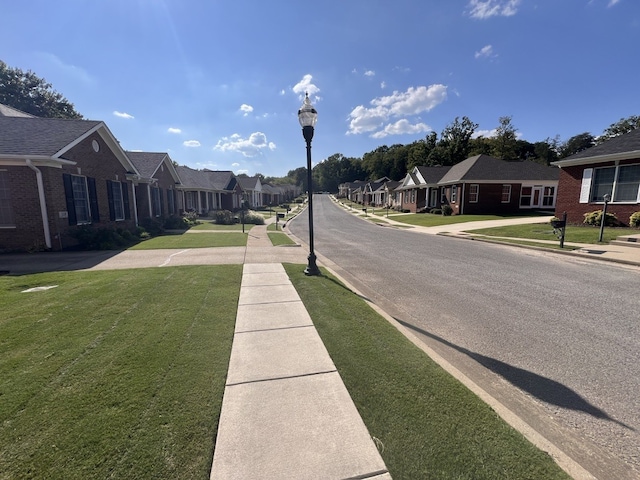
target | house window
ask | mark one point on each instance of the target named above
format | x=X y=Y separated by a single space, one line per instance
x=603 y=179
x=6 y=211
x=548 y=195
x=413 y=196
x=190 y=201
x=474 y=188
x=454 y=193
x=506 y=193
x=156 y=202
x=627 y=184
x=525 y=196
x=443 y=196
x=171 y=200
x=116 y=201
x=81 y=199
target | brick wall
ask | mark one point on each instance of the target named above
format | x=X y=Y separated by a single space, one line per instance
x=568 y=199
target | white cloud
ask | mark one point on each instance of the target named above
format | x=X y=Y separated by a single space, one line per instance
x=174 y=130
x=612 y=3
x=191 y=143
x=246 y=109
x=383 y=85
x=485 y=133
x=122 y=115
x=483 y=9
x=398 y=104
x=240 y=172
x=485 y=52
x=402 y=127
x=306 y=86
x=369 y=73
x=249 y=147
x=235 y=164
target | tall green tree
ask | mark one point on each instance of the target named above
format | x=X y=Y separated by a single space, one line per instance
x=31 y=94
x=455 y=141
x=576 y=144
x=622 y=126
x=506 y=140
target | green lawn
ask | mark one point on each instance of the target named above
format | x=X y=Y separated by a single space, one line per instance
x=431 y=220
x=210 y=225
x=279 y=238
x=544 y=231
x=431 y=426
x=194 y=240
x=114 y=374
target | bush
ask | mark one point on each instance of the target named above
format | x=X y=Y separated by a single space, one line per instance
x=634 y=220
x=176 y=223
x=436 y=211
x=152 y=225
x=224 y=217
x=103 y=238
x=595 y=218
x=447 y=211
x=253 y=218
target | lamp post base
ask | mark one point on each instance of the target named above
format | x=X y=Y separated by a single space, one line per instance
x=312 y=268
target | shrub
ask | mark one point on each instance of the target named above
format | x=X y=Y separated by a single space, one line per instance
x=191 y=217
x=253 y=218
x=436 y=211
x=634 y=220
x=176 y=223
x=447 y=210
x=595 y=218
x=152 y=225
x=224 y=217
x=103 y=238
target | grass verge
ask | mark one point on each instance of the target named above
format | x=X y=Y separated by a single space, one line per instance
x=114 y=374
x=431 y=220
x=544 y=231
x=279 y=238
x=209 y=225
x=194 y=240
x=430 y=424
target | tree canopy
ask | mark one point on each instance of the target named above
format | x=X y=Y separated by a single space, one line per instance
x=31 y=94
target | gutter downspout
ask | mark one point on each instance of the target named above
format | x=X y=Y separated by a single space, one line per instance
x=462 y=199
x=135 y=203
x=43 y=204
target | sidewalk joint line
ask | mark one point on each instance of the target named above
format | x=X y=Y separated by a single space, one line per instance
x=367 y=475
x=275 y=329
x=324 y=372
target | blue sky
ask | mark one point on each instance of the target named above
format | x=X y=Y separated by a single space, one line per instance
x=217 y=83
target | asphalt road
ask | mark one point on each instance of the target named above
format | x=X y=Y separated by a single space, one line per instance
x=556 y=339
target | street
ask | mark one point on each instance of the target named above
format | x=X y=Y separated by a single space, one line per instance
x=554 y=338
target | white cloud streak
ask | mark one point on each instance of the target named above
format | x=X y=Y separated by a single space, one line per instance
x=248 y=147
x=306 y=85
x=483 y=9
x=191 y=143
x=246 y=109
x=398 y=105
x=485 y=52
x=123 y=115
x=174 y=130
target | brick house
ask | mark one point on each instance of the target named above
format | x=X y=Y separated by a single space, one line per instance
x=157 y=186
x=251 y=190
x=487 y=185
x=611 y=168
x=420 y=190
x=57 y=175
x=205 y=190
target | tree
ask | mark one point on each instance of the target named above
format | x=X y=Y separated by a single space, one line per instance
x=455 y=141
x=576 y=144
x=31 y=94
x=622 y=126
x=505 y=140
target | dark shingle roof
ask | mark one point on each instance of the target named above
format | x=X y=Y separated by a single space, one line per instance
x=432 y=175
x=219 y=180
x=7 y=111
x=628 y=142
x=146 y=162
x=40 y=136
x=248 y=183
x=485 y=168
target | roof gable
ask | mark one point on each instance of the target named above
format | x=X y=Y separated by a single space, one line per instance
x=484 y=168
x=622 y=147
x=148 y=163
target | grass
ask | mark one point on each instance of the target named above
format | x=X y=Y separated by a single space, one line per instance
x=279 y=238
x=543 y=231
x=431 y=220
x=431 y=426
x=208 y=225
x=114 y=374
x=194 y=240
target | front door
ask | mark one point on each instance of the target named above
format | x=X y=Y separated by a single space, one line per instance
x=536 y=200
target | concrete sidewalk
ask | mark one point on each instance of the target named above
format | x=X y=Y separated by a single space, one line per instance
x=286 y=413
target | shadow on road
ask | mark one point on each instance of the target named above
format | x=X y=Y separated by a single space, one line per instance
x=542 y=388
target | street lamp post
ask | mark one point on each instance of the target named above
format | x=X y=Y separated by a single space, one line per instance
x=308 y=116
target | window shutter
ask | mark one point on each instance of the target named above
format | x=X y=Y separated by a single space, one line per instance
x=112 y=210
x=585 y=189
x=93 y=200
x=160 y=209
x=68 y=193
x=125 y=200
